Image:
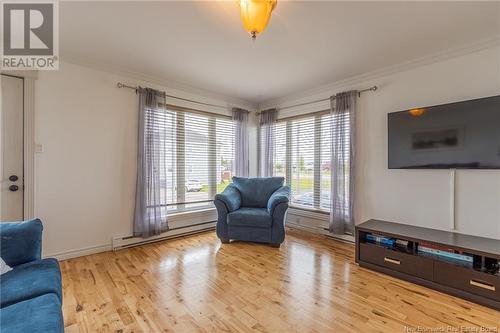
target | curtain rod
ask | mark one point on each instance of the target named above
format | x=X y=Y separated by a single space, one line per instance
x=122 y=85
x=373 y=88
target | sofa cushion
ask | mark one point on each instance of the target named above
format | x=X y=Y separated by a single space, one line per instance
x=37 y=315
x=21 y=242
x=30 y=280
x=4 y=268
x=255 y=192
x=250 y=217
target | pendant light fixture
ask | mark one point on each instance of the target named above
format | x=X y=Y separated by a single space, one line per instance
x=255 y=15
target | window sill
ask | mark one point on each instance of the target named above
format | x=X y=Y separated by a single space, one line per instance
x=191 y=211
x=312 y=210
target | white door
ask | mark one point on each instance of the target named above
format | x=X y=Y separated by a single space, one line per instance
x=11 y=146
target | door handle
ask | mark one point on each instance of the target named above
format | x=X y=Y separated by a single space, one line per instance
x=482 y=285
x=13 y=178
x=13 y=188
x=392 y=261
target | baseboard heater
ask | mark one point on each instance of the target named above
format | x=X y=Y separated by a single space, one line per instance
x=322 y=231
x=346 y=238
x=342 y=238
x=124 y=242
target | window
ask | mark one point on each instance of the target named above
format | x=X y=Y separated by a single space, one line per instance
x=302 y=161
x=199 y=153
x=302 y=150
x=280 y=162
x=325 y=161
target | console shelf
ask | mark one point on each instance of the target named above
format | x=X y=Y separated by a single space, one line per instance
x=474 y=280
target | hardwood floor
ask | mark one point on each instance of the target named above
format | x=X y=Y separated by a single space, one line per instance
x=197 y=284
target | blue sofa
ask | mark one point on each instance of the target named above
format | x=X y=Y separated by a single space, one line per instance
x=253 y=209
x=31 y=293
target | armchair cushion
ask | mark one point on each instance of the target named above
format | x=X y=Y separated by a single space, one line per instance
x=230 y=197
x=255 y=192
x=250 y=217
x=21 y=242
x=281 y=195
x=30 y=280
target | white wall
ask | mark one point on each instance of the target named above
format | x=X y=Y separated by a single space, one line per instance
x=85 y=177
x=419 y=197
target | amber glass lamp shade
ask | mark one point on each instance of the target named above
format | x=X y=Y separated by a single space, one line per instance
x=416 y=112
x=255 y=15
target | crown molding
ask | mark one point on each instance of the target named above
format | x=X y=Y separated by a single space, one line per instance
x=178 y=89
x=329 y=89
x=187 y=91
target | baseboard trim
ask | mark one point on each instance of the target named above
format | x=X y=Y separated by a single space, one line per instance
x=79 y=252
x=131 y=242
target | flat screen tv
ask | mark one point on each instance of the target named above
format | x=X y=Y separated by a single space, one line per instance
x=462 y=135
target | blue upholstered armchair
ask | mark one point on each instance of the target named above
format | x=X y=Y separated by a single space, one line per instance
x=253 y=209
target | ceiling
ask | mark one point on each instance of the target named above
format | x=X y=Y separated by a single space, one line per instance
x=307 y=44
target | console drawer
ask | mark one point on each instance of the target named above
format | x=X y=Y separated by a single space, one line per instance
x=398 y=261
x=474 y=282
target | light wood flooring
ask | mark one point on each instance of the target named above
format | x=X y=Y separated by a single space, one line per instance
x=197 y=284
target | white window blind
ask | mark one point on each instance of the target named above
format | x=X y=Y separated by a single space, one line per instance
x=302 y=161
x=197 y=159
x=280 y=161
x=302 y=155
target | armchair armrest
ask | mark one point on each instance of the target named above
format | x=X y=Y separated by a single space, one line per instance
x=231 y=197
x=281 y=195
x=21 y=242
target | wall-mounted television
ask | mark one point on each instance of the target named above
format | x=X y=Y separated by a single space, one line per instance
x=462 y=135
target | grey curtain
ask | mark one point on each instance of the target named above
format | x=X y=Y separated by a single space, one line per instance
x=150 y=215
x=343 y=110
x=267 y=141
x=241 y=162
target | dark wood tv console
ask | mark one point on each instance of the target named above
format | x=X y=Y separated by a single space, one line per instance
x=475 y=281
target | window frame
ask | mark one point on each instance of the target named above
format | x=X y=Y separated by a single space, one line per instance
x=317 y=159
x=180 y=159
